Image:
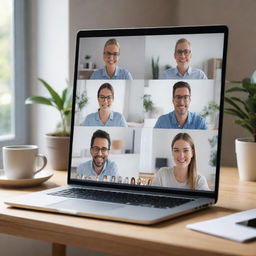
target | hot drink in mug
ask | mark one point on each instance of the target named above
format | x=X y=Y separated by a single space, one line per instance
x=22 y=161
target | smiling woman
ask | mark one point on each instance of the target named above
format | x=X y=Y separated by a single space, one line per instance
x=184 y=173
x=111 y=55
x=105 y=116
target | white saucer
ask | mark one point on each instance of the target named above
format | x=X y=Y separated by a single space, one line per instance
x=39 y=178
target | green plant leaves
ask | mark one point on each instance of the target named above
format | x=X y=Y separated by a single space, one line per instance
x=245 y=110
x=245 y=125
x=211 y=108
x=236 y=89
x=63 y=103
x=237 y=109
x=38 y=100
x=155 y=67
x=148 y=103
x=56 y=99
x=67 y=100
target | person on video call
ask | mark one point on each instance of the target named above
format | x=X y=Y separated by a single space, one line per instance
x=100 y=165
x=183 y=55
x=181 y=118
x=105 y=116
x=111 y=55
x=184 y=173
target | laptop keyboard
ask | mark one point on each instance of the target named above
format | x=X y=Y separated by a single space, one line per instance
x=123 y=198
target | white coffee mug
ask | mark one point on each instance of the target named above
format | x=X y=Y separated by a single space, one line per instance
x=21 y=161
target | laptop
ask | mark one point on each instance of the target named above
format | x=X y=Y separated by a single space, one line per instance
x=146 y=125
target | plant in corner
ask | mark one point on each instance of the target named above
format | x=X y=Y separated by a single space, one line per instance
x=210 y=112
x=81 y=102
x=148 y=105
x=155 y=67
x=58 y=141
x=245 y=111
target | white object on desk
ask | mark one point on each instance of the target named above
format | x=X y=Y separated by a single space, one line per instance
x=38 y=178
x=228 y=227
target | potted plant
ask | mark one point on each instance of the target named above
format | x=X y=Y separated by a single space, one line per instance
x=148 y=105
x=210 y=112
x=155 y=67
x=58 y=141
x=88 y=63
x=81 y=101
x=212 y=159
x=245 y=111
x=213 y=154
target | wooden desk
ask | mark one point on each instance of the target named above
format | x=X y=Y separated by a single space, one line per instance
x=168 y=238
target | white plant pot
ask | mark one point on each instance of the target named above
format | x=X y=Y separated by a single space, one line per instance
x=246 y=159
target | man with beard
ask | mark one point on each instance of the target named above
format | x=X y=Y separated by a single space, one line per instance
x=181 y=118
x=100 y=165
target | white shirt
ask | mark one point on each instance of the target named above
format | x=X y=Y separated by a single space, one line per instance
x=165 y=177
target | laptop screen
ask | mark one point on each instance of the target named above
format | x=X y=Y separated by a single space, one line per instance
x=148 y=108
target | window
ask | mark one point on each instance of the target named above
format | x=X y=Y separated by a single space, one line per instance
x=5 y=67
x=12 y=73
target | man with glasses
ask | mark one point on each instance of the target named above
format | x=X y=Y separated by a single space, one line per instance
x=111 y=55
x=100 y=165
x=182 y=55
x=181 y=118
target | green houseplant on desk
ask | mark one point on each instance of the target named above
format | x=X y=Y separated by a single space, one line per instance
x=245 y=111
x=58 y=141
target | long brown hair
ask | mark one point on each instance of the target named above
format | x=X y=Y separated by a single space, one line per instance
x=192 y=172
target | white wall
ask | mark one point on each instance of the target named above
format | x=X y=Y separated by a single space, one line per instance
x=134 y=101
x=48 y=59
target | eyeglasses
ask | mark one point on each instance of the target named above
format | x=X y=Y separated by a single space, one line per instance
x=103 y=150
x=108 y=98
x=186 y=52
x=180 y=97
x=114 y=54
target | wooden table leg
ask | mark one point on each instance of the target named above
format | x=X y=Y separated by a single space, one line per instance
x=58 y=249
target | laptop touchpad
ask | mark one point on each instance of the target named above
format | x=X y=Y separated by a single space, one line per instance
x=87 y=206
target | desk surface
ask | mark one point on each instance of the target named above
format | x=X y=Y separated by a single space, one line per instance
x=170 y=237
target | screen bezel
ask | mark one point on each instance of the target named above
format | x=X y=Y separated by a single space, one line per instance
x=150 y=32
